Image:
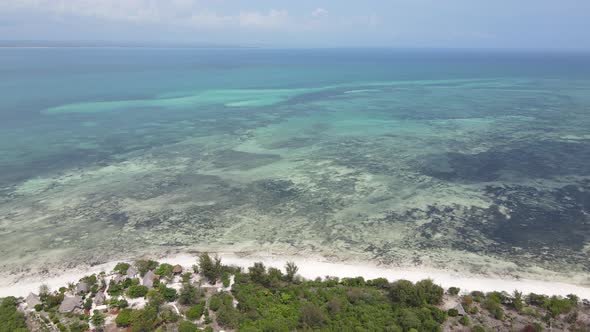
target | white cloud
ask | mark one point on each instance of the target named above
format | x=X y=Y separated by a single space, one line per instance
x=318 y=12
x=170 y=12
x=271 y=19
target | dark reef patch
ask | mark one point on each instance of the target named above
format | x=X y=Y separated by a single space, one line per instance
x=542 y=159
x=555 y=219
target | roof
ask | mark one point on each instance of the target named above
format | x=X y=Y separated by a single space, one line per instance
x=118 y=278
x=177 y=269
x=32 y=300
x=131 y=272
x=99 y=298
x=148 y=279
x=70 y=303
x=82 y=287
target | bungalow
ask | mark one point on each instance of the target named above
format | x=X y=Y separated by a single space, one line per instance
x=99 y=298
x=131 y=272
x=177 y=269
x=70 y=303
x=32 y=300
x=148 y=279
x=82 y=288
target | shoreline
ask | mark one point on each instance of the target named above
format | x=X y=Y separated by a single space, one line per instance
x=313 y=267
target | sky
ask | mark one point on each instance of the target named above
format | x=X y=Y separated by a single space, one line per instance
x=544 y=24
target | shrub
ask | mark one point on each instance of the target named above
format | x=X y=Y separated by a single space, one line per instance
x=98 y=318
x=429 y=292
x=10 y=319
x=225 y=279
x=402 y=292
x=146 y=265
x=144 y=319
x=121 y=268
x=557 y=305
x=478 y=328
x=196 y=311
x=169 y=294
x=215 y=303
x=137 y=291
x=453 y=291
x=312 y=316
x=453 y=312
x=186 y=326
x=464 y=320
x=124 y=318
x=228 y=316
x=164 y=270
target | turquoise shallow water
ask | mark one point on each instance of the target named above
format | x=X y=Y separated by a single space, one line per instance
x=464 y=158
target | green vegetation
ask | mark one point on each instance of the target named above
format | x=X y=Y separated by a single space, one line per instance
x=10 y=319
x=196 y=311
x=146 y=265
x=189 y=294
x=124 y=318
x=186 y=326
x=136 y=291
x=454 y=291
x=164 y=270
x=266 y=299
x=122 y=268
x=351 y=304
x=210 y=268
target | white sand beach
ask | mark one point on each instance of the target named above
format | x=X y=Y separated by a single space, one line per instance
x=312 y=268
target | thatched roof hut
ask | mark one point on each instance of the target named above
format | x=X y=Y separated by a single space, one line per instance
x=32 y=300
x=148 y=279
x=82 y=288
x=99 y=298
x=131 y=272
x=177 y=269
x=70 y=303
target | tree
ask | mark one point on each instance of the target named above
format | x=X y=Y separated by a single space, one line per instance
x=210 y=268
x=258 y=273
x=189 y=294
x=43 y=290
x=454 y=291
x=291 y=269
x=517 y=301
